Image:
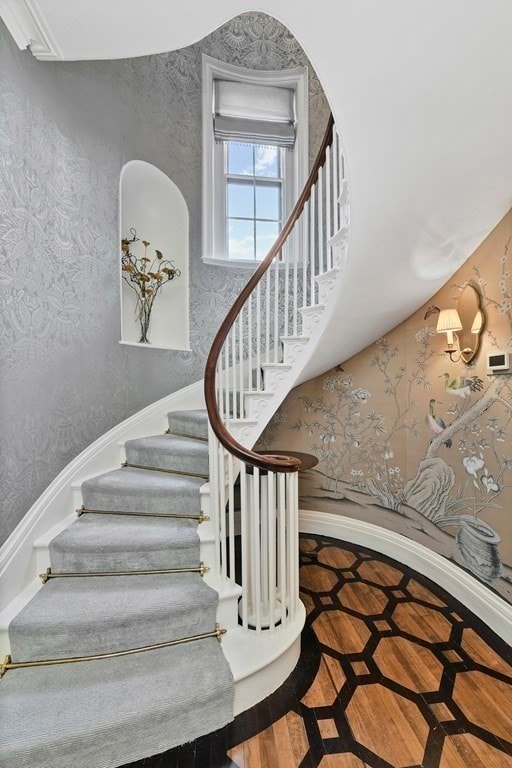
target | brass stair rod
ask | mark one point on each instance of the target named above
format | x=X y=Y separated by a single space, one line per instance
x=162 y=469
x=48 y=574
x=200 y=518
x=8 y=664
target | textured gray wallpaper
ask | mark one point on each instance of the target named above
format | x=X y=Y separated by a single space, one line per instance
x=66 y=129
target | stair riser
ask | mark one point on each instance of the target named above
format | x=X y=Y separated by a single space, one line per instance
x=256 y=403
x=326 y=284
x=151 y=559
x=185 y=463
x=293 y=349
x=83 y=639
x=180 y=424
x=111 y=502
x=312 y=319
x=273 y=377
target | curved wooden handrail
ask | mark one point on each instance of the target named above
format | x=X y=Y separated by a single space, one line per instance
x=274 y=463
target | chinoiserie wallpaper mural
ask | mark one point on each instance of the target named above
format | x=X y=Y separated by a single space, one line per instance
x=416 y=443
x=66 y=130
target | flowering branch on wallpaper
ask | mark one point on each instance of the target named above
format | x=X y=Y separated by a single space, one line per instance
x=354 y=440
x=356 y=445
x=146 y=278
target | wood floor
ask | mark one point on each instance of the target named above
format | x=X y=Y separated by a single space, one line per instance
x=394 y=673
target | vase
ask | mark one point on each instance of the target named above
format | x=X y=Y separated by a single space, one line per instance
x=478 y=544
x=144 y=320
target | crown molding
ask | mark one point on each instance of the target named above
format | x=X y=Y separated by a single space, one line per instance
x=27 y=25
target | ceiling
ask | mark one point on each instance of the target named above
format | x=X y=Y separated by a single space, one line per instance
x=421 y=91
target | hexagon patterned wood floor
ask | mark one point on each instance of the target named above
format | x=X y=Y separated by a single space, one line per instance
x=394 y=673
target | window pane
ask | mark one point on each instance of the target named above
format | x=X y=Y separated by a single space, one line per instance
x=240 y=199
x=266 y=161
x=240 y=239
x=240 y=159
x=268 y=201
x=266 y=234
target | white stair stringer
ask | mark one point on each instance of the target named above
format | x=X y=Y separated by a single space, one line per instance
x=273 y=373
x=280 y=378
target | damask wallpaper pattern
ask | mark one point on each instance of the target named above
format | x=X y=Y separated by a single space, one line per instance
x=66 y=130
x=416 y=443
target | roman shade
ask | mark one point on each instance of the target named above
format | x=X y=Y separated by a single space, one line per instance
x=256 y=114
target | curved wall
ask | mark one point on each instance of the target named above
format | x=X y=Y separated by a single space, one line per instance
x=66 y=130
x=382 y=456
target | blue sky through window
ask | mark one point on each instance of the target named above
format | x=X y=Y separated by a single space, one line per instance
x=254 y=199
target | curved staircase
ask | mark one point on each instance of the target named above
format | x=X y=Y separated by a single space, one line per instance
x=117 y=655
x=125 y=576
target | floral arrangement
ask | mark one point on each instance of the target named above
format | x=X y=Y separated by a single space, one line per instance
x=146 y=277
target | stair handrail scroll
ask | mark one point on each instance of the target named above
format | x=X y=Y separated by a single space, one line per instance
x=250 y=355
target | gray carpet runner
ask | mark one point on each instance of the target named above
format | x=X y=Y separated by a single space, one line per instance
x=108 y=712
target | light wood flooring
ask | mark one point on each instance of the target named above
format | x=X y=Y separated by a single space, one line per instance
x=394 y=673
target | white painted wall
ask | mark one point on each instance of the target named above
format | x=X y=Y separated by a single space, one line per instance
x=153 y=204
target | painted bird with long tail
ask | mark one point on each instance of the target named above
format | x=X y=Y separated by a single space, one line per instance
x=434 y=422
x=462 y=387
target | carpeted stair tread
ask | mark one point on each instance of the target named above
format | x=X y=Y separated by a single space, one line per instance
x=107 y=713
x=86 y=616
x=180 y=454
x=191 y=423
x=120 y=543
x=139 y=490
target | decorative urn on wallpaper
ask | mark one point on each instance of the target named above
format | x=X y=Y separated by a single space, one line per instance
x=146 y=277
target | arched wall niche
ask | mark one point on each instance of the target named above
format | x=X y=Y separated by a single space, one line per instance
x=152 y=204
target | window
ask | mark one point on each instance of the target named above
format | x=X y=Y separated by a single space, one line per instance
x=254 y=205
x=254 y=158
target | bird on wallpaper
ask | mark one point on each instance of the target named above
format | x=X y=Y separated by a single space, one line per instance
x=435 y=423
x=462 y=387
x=432 y=310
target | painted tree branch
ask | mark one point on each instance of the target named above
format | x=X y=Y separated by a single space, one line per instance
x=491 y=395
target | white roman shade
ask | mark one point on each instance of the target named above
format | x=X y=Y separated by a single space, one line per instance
x=257 y=114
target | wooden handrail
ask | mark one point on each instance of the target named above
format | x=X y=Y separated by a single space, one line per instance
x=273 y=463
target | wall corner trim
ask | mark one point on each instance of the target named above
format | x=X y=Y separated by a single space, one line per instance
x=487 y=605
x=26 y=23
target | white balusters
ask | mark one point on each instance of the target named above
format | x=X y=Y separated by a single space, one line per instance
x=328 y=197
x=312 y=212
x=262 y=533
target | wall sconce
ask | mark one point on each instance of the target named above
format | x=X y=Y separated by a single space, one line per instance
x=449 y=322
x=463 y=326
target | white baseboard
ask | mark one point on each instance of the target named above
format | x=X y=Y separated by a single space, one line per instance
x=487 y=605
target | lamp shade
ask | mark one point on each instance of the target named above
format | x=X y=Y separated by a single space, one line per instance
x=448 y=320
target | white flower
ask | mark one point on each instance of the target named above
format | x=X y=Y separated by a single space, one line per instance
x=387 y=452
x=337 y=383
x=490 y=483
x=361 y=394
x=472 y=464
x=505 y=306
x=425 y=332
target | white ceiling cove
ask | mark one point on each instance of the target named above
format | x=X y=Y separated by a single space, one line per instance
x=421 y=91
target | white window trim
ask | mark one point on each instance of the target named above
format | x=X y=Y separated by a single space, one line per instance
x=213 y=194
